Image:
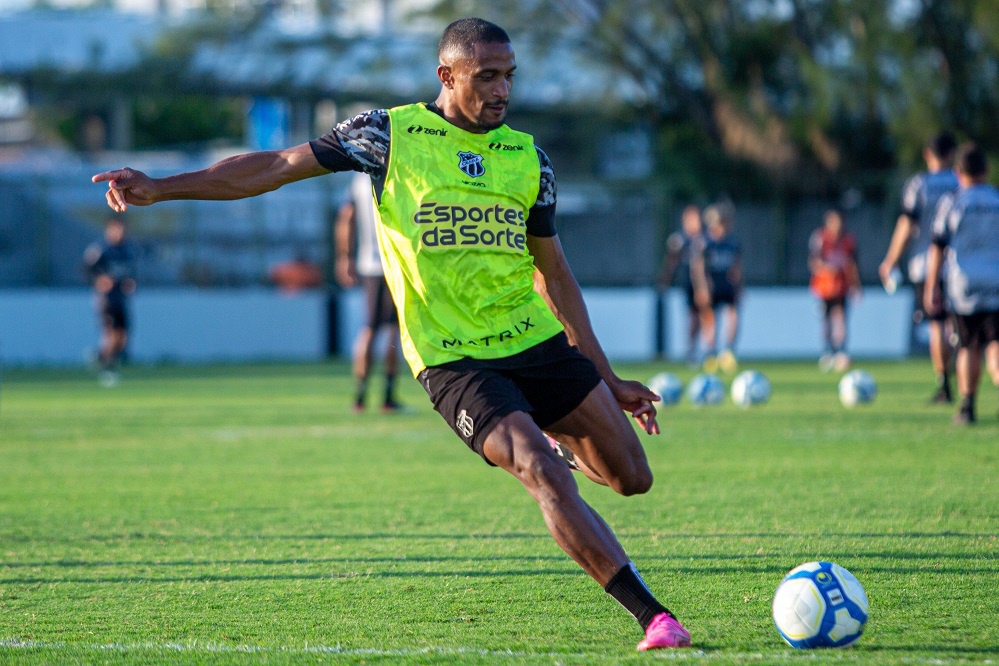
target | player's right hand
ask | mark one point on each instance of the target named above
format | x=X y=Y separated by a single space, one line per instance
x=127 y=187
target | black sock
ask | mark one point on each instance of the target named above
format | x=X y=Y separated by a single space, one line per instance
x=389 y=389
x=362 y=390
x=968 y=404
x=630 y=591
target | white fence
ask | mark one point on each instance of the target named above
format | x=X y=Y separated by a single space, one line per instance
x=59 y=327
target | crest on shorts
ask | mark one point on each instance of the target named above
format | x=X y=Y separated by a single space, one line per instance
x=471 y=163
x=465 y=424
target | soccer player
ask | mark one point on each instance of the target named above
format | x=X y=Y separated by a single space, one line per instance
x=110 y=265
x=716 y=271
x=920 y=196
x=676 y=264
x=832 y=260
x=966 y=245
x=358 y=261
x=492 y=320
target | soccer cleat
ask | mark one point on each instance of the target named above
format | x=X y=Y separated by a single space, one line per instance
x=727 y=362
x=710 y=363
x=942 y=396
x=664 y=632
x=965 y=417
x=393 y=407
x=563 y=453
x=841 y=361
x=826 y=362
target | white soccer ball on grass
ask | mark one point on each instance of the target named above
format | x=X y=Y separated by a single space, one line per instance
x=750 y=388
x=857 y=387
x=820 y=604
x=667 y=386
x=706 y=389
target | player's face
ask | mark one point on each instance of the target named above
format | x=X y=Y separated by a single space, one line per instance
x=114 y=233
x=480 y=86
x=834 y=223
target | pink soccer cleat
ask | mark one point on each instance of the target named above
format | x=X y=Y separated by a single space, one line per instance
x=664 y=632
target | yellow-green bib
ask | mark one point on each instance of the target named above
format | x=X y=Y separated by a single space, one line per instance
x=453 y=240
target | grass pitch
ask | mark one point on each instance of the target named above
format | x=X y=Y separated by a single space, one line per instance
x=245 y=515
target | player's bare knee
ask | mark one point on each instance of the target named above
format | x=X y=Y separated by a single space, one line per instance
x=542 y=473
x=638 y=482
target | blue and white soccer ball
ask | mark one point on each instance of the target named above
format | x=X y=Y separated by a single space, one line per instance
x=668 y=386
x=706 y=389
x=820 y=604
x=857 y=387
x=750 y=388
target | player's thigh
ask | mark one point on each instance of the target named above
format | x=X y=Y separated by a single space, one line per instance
x=602 y=437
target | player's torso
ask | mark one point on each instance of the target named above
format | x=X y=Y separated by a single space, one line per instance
x=973 y=252
x=720 y=255
x=453 y=213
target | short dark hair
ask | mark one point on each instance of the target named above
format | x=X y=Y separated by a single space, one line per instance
x=942 y=145
x=972 y=161
x=460 y=38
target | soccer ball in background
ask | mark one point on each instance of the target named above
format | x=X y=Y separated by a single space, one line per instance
x=706 y=389
x=750 y=388
x=668 y=386
x=820 y=604
x=857 y=387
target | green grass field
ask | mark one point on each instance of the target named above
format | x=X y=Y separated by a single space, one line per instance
x=238 y=514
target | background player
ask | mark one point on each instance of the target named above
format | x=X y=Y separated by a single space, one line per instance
x=920 y=196
x=832 y=261
x=495 y=328
x=966 y=235
x=110 y=265
x=676 y=266
x=716 y=270
x=358 y=261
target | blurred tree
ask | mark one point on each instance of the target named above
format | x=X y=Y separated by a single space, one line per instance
x=806 y=91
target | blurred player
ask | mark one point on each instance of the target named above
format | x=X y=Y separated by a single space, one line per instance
x=493 y=322
x=110 y=265
x=676 y=265
x=966 y=246
x=716 y=271
x=296 y=275
x=832 y=261
x=358 y=261
x=919 y=201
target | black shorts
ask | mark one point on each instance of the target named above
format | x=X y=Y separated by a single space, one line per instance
x=829 y=303
x=688 y=292
x=977 y=330
x=547 y=381
x=381 y=307
x=919 y=314
x=724 y=294
x=114 y=315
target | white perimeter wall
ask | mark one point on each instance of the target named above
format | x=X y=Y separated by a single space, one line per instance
x=58 y=327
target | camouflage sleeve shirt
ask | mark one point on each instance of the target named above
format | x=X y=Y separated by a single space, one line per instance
x=362 y=143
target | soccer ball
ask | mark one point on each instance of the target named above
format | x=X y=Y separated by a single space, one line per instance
x=706 y=389
x=750 y=388
x=820 y=604
x=857 y=387
x=668 y=386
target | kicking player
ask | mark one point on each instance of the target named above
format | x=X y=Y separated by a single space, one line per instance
x=492 y=320
x=676 y=264
x=110 y=265
x=966 y=245
x=358 y=261
x=920 y=196
x=833 y=262
x=716 y=271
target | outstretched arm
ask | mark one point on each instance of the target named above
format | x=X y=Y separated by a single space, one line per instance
x=237 y=177
x=553 y=279
x=899 y=239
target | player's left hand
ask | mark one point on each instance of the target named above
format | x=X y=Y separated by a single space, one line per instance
x=636 y=399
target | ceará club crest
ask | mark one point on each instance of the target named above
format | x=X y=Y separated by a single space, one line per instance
x=471 y=163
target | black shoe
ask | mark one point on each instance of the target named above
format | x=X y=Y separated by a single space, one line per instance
x=942 y=396
x=964 y=417
x=392 y=407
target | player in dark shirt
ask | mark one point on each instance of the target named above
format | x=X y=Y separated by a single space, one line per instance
x=716 y=271
x=110 y=266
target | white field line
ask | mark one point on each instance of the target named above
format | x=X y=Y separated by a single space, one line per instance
x=209 y=648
